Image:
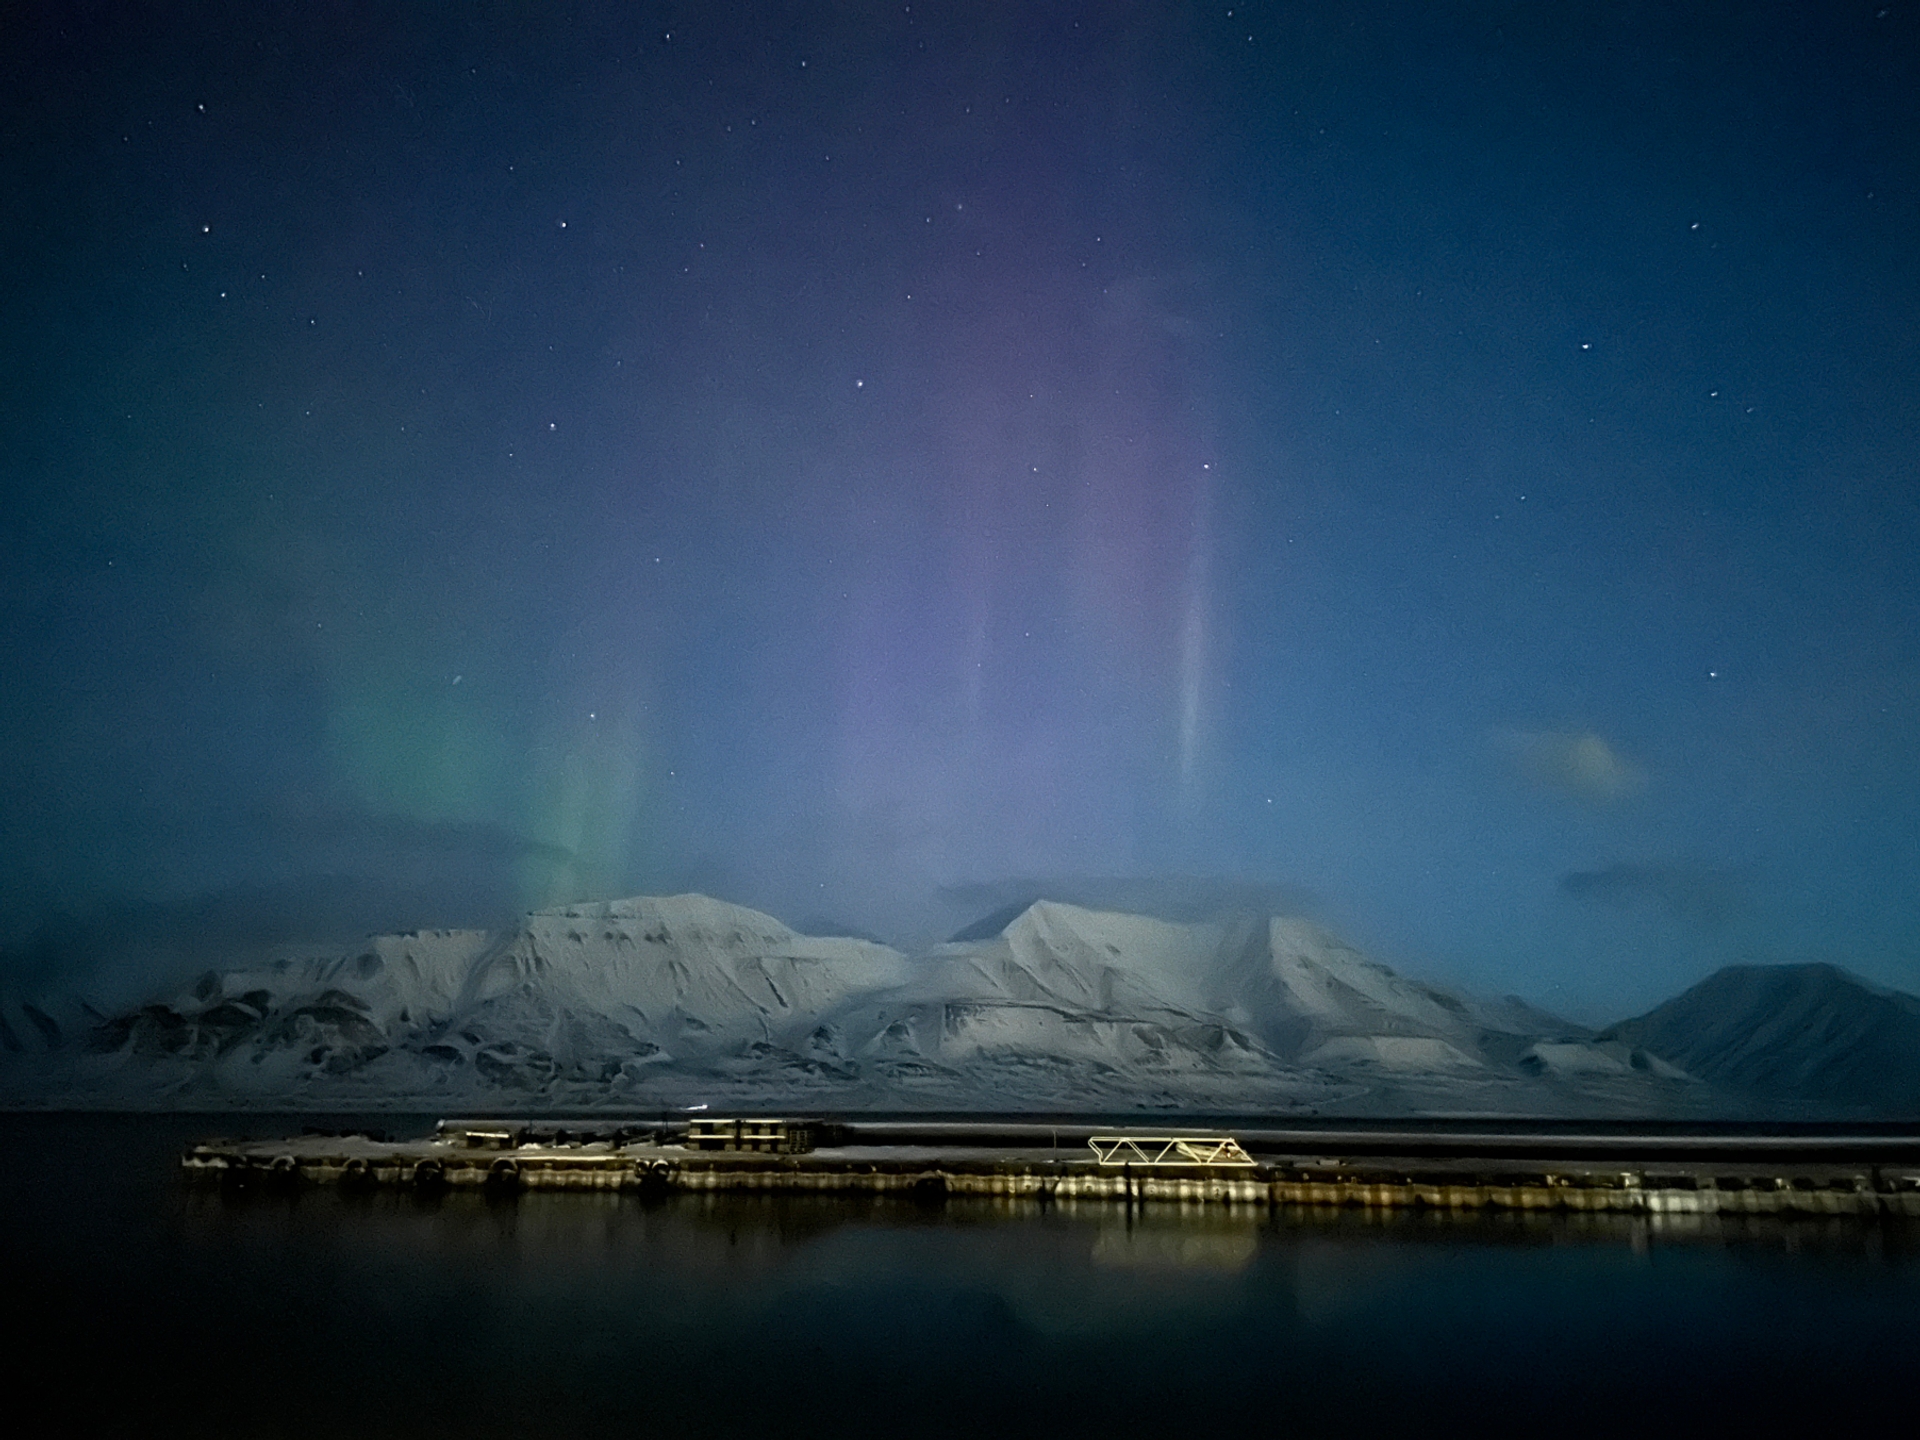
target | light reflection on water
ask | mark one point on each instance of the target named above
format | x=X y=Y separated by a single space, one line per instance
x=702 y=1313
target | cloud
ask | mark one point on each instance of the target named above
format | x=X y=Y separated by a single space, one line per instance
x=326 y=875
x=1578 y=765
x=1693 y=894
x=990 y=906
x=124 y=947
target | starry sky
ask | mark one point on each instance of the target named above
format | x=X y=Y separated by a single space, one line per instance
x=1451 y=464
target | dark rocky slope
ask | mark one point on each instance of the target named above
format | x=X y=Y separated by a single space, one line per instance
x=1810 y=1037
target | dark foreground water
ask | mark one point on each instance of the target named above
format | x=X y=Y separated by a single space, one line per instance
x=331 y=1313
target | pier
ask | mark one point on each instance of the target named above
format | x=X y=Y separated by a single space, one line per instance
x=1745 y=1173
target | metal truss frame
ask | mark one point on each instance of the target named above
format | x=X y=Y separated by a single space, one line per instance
x=1168 y=1150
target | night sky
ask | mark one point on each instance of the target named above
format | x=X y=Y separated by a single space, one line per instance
x=1452 y=463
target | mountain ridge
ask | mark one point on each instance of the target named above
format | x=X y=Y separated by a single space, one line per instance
x=652 y=1002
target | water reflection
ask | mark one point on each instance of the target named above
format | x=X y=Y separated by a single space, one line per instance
x=757 y=1234
x=702 y=1314
x=1223 y=1246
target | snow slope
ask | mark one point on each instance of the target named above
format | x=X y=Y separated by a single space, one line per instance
x=656 y=1001
x=1079 y=1008
x=571 y=1004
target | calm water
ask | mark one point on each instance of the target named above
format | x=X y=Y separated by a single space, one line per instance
x=329 y=1313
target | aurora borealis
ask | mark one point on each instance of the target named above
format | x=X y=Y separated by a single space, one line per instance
x=1456 y=461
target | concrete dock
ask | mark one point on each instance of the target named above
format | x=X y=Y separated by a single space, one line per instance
x=1746 y=1173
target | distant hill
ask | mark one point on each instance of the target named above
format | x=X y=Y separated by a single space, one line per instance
x=1812 y=1035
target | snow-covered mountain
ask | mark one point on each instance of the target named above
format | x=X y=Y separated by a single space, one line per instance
x=653 y=1002
x=1813 y=1036
x=1223 y=1012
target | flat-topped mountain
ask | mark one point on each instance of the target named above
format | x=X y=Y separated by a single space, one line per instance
x=656 y=1002
x=576 y=1001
